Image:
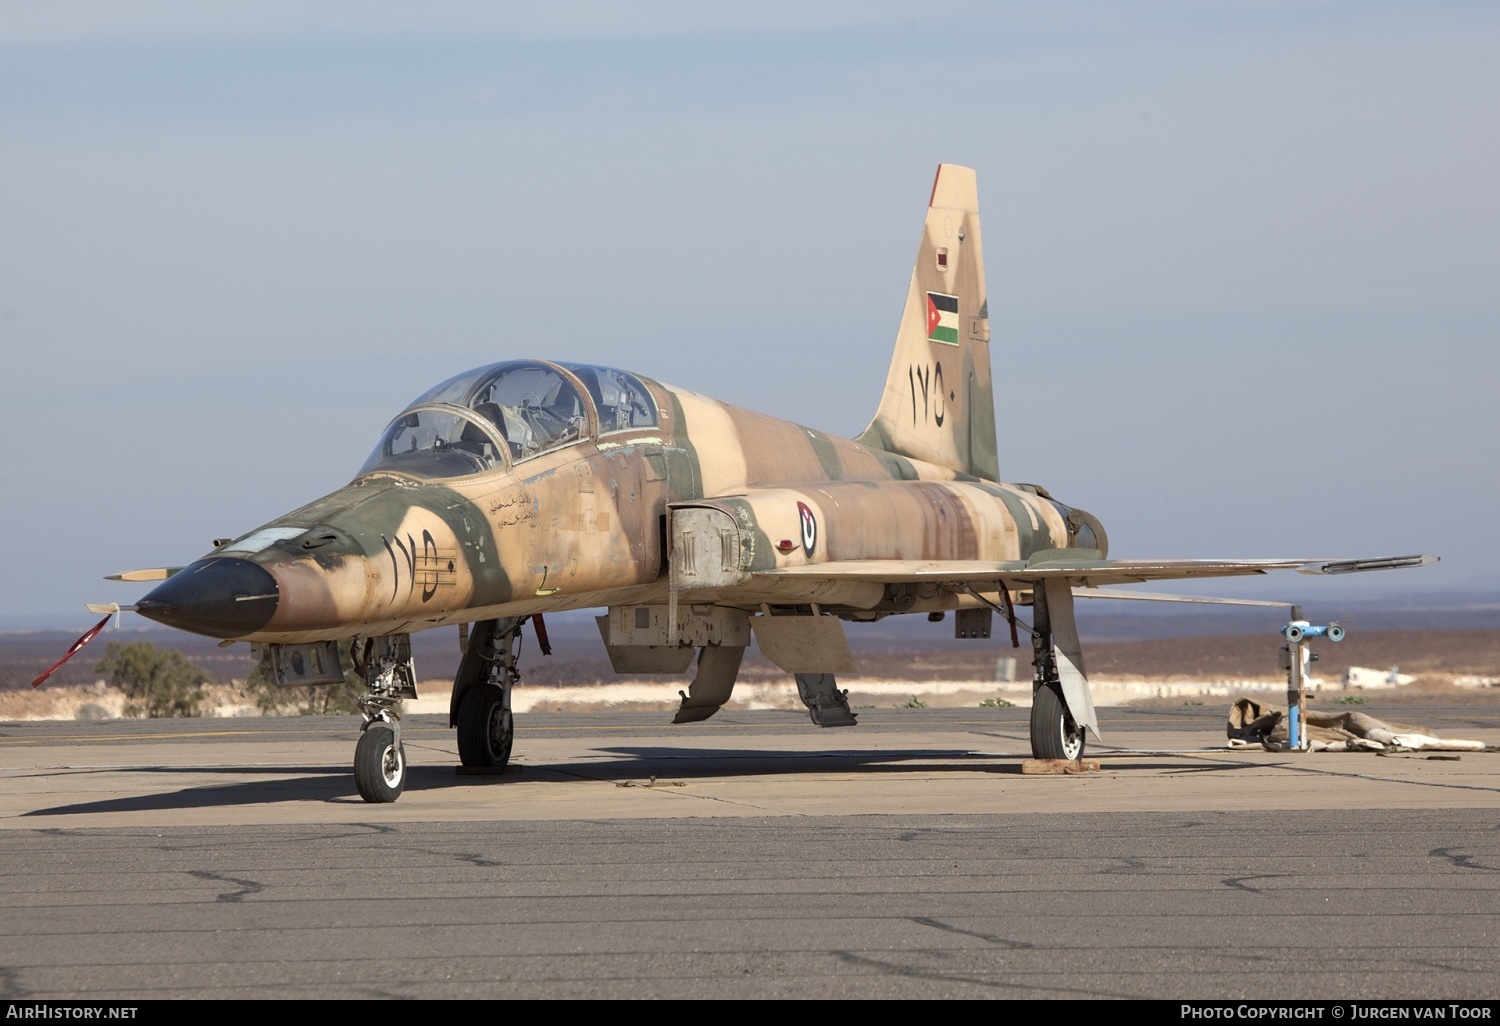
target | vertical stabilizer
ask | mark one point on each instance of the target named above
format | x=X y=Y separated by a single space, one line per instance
x=938 y=405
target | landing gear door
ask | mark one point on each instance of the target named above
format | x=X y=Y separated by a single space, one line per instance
x=295 y=666
x=1067 y=653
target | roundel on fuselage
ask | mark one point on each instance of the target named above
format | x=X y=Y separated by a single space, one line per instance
x=809 y=527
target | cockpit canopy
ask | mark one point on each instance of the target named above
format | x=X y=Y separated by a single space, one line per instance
x=509 y=412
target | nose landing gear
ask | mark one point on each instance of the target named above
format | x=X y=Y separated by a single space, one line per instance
x=379 y=764
x=379 y=758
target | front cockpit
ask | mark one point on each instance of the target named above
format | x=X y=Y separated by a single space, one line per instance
x=506 y=413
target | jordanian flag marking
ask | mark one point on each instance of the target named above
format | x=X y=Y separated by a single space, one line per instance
x=942 y=318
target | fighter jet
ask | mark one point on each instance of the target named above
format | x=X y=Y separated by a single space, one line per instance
x=531 y=486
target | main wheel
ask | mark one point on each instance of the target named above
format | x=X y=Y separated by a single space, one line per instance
x=379 y=765
x=486 y=728
x=1054 y=735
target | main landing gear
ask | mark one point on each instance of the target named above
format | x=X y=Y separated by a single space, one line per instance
x=481 y=694
x=1054 y=735
x=1057 y=728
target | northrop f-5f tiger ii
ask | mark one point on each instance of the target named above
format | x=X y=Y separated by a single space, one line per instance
x=531 y=486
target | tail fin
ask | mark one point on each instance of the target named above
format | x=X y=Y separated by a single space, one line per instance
x=938 y=405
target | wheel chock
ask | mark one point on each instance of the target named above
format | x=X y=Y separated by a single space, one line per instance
x=1059 y=767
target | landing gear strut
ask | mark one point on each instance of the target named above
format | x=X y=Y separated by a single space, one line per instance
x=481 y=694
x=379 y=758
x=1056 y=731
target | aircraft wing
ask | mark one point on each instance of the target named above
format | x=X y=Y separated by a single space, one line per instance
x=1060 y=563
x=1158 y=596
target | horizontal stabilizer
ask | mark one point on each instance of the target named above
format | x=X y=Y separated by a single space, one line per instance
x=159 y=573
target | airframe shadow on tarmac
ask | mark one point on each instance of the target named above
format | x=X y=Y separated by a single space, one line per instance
x=635 y=764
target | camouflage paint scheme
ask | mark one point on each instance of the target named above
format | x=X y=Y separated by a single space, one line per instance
x=706 y=506
x=579 y=527
x=583 y=525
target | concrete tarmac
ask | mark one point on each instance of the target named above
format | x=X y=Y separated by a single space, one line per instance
x=752 y=855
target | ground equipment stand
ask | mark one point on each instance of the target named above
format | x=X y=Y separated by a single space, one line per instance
x=1296 y=656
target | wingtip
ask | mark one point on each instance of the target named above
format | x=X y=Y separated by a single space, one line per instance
x=1354 y=566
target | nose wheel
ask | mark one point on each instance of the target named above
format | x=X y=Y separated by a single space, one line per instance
x=379 y=764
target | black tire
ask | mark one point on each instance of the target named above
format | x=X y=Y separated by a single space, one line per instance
x=1054 y=735
x=379 y=765
x=486 y=728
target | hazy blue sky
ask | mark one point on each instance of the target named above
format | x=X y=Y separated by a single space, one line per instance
x=1244 y=259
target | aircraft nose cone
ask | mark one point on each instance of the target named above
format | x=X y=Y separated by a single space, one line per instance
x=222 y=598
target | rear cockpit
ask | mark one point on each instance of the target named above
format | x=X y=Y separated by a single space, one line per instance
x=506 y=413
x=623 y=402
